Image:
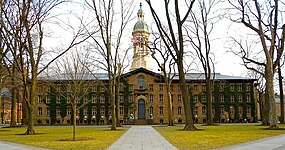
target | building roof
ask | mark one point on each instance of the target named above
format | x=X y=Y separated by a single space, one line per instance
x=104 y=76
x=68 y=77
x=141 y=25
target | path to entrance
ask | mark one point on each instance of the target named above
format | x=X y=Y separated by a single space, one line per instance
x=141 y=138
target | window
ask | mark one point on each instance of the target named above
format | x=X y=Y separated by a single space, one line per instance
x=102 y=89
x=85 y=88
x=248 y=88
x=240 y=110
x=48 y=112
x=130 y=87
x=57 y=99
x=160 y=87
x=232 y=87
x=204 y=110
x=161 y=97
x=102 y=99
x=131 y=98
x=222 y=87
x=179 y=98
x=171 y=87
x=58 y=111
x=195 y=87
x=179 y=111
x=68 y=99
x=239 y=98
x=172 y=99
x=102 y=111
x=195 y=98
x=213 y=110
x=40 y=89
x=179 y=88
x=121 y=98
x=131 y=110
x=40 y=111
x=247 y=98
x=151 y=87
x=68 y=112
x=161 y=110
x=222 y=98
x=121 y=88
x=77 y=100
x=203 y=98
x=204 y=88
x=151 y=98
x=239 y=87
x=232 y=98
x=121 y=110
x=85 y=111
x=48 y=99
x=58 y=88
x=49 y=89
x=85 y=99
x=248 y=110
x=151 y=110
x=141 y=83
x=188 y=87
x=93 y=99
x=195 y=111
x=222 y=110
x=40 y=99
x=94 y=88
x=94 y=111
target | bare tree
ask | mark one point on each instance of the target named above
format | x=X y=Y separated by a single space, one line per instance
x=263 y=19
x=203 y=20
x=76 y=84
x=23 y=33
x=158 y=46
x=109 y=39
x=176 y=46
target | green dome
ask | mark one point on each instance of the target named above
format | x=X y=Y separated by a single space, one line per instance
x=141 y=25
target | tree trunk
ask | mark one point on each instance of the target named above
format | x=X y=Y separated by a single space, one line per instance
x=33 y=96
x=280 y=78
x=74 y=121
x=170 y=113
x=265 y=109
x=209 y=101
x=114 y=119
x=1 y=103
x=270 y=93
x=189 y=124
x=14 y=106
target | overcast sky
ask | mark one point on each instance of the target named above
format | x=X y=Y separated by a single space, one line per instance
x=226 y=62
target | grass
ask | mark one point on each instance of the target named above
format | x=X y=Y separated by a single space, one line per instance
x=210 y=137
x=51 y=137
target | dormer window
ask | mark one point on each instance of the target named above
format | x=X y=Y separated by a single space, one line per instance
x=141 y=83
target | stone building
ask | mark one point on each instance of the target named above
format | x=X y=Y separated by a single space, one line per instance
x=142 y=94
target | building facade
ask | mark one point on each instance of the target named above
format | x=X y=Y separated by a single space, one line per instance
x=142 y=94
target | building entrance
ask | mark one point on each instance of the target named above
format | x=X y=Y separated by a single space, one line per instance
x=141 y=109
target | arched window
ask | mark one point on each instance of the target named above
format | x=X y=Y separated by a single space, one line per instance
x=141 y=83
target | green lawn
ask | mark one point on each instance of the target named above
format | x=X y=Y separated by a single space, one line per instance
x=48 y=137
x=210 y=137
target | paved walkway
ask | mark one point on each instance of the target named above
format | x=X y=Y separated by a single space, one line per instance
x=142 y=138
x=14 y=146
x=271 y=143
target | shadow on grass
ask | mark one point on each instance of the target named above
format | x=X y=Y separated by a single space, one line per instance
x=4 y=130
x=31 y=134
x=268 y=128
x=114 y=130
x=77 y=139
x=190 y=130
